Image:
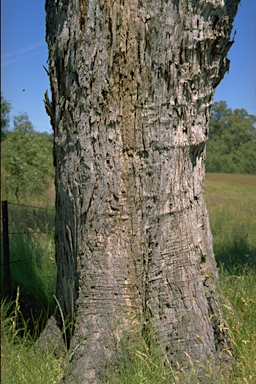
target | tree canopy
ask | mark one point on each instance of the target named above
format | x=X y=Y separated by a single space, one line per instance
x=5 y=110
x=26 y=160
x=232 y=140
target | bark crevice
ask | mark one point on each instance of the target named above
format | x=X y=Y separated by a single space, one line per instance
x=132 y=85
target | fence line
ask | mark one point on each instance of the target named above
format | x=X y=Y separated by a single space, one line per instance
x=18 y=261
x=7 y=269
x=6 y=242
x=29 y=206
x=26 y=258
x=31 y=231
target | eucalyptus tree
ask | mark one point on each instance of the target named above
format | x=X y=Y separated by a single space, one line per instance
x=231 y=143
x=5 y=111
x=132 y=85
x=27 y=168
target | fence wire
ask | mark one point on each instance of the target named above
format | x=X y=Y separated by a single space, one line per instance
x=30 y=221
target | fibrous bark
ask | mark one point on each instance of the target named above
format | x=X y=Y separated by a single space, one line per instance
x=132 y=85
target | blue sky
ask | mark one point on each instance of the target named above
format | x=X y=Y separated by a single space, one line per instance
x=24 y=53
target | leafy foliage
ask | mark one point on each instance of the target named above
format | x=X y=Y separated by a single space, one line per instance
x=5 y=110
x=232 y=141
x=27 y=160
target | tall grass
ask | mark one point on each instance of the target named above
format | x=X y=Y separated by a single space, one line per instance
x=33 y=270
x=141 y=364
x=240 y=291
x=231 y=201
x=32 y=261
x=22 y=362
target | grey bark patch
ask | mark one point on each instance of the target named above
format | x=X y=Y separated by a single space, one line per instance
x=51 y=339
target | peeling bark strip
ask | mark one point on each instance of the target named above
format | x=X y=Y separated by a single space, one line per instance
x=132 y=84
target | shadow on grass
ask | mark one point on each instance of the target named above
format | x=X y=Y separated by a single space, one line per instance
x=233 y=251
x=33 y=273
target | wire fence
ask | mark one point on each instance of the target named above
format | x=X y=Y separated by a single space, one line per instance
x=23 y=228
x=28 y=219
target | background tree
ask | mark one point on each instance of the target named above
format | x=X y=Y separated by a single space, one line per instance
x=232 y=140
x=26 y=161
x=132 y=83
x=5 y=110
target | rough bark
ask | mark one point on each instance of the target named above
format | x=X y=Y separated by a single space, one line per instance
x=132 y=84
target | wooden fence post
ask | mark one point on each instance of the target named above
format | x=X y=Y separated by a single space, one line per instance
x=7 y=270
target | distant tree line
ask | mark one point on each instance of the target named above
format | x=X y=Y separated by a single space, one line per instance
x=231 y=147
x=5 y=120
x=27 y=167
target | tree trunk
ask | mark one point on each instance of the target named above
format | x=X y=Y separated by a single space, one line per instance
x=132 y=85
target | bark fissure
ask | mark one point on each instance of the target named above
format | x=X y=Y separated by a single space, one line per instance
x=132 y=84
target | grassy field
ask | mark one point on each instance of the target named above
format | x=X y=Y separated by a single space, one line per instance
x=231 y=200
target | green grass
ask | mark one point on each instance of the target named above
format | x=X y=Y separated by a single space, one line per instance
x=32 y=261
x=231 y=200
x=139 y=364
x=22 y=362
x=240 y=291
